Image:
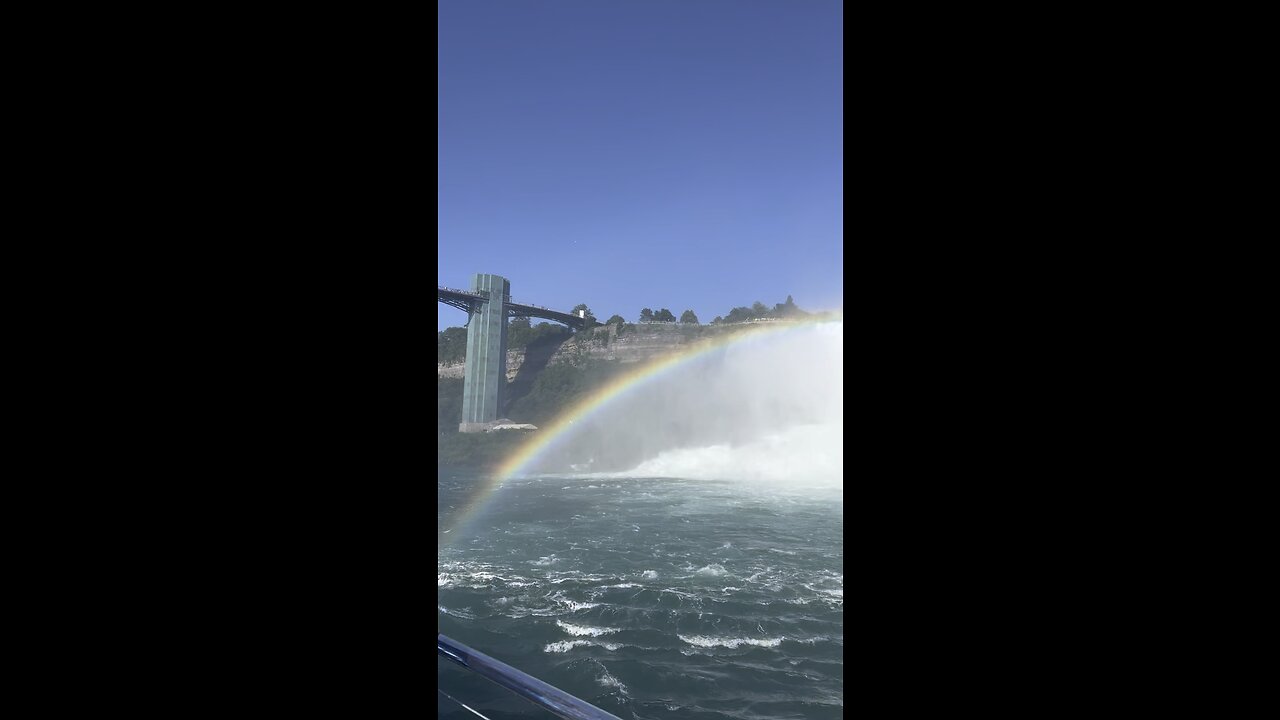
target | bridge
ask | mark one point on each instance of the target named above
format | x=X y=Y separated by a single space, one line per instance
x=488 y=304
x=466 y=300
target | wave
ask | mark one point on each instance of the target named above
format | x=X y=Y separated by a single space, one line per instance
x=709 y=642
x=608 y=680
x=456 y=613
x=557 y=577
x=457 y=575
x=567 y=645
x=477 y=581
x=817 y=639
x=837 y=592
x=573 y=605
x=585 y=629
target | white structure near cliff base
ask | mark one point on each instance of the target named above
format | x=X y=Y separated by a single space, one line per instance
x=512 y=426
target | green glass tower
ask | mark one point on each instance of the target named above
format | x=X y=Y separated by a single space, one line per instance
x=485 y=378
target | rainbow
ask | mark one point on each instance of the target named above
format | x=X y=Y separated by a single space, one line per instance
x=560 y=429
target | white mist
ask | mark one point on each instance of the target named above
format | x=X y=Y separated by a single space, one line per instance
x=768 y=409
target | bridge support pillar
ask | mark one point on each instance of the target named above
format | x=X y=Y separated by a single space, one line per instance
x=485 y=377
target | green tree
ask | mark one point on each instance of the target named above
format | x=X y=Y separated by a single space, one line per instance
x=688 y=317
x=583 y=306
x=451 y=345
x=759 y=309
x=521 y=335
x=615 y=320
x=664 y=315
x=518 y=332
x=717 y=321
x=788 y=309
x=646 y=315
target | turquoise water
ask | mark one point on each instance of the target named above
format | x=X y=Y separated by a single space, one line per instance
x=649 y=597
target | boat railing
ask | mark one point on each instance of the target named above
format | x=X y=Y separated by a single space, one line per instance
x=546 y=696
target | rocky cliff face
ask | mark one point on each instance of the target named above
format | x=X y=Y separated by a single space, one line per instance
x=637 y=343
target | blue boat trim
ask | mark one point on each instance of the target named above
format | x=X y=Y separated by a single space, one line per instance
x=526 y=686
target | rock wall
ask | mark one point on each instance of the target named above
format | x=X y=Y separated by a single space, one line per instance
x=638 y=343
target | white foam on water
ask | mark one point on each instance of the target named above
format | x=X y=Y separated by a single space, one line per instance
x=573 y=605
x=585 y=629
x=456 y=613
x=815 y=640
x=608 y=680
x=709 y=642
x=567 y=645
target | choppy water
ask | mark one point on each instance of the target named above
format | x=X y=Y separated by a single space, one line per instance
x=649 y=597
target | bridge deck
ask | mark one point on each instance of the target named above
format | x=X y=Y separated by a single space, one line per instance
x=573 y=321
x=465 y=300
x=461 y=299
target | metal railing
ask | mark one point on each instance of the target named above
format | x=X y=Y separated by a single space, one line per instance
x=526 y=686
x=540 y=307
x=462 y=292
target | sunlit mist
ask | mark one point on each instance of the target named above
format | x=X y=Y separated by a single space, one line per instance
x=764 y=410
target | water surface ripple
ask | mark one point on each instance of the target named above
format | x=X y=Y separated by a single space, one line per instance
x=649 y=597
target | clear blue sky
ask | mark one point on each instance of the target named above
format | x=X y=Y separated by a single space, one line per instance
x=685 y=154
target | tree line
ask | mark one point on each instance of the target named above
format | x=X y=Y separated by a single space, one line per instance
x=757 y=311
x=452 y=342
x=760 y=311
